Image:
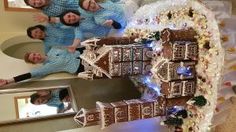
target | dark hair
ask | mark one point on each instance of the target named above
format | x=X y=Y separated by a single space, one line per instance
x=63 y=93
x=27 y=3
x=33 y=98
x=67 y=24
x=30 y=29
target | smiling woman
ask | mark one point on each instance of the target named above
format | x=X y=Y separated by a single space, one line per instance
x=17 y=5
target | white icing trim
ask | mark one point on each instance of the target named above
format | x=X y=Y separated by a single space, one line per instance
x=92 y=63
x=80 y=115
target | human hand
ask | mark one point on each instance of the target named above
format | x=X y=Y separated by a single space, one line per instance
x=108 y=23
x=71 y=49
x=41 y=18
x=3 y=82
x=69 y=106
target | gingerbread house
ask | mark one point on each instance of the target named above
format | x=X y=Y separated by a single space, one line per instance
x=115 y=57
x=159 y=106
x=180 y=49
x=179 y=44
x=147 y=108
x=122 y=111
x=107 y=113
x=134 y=109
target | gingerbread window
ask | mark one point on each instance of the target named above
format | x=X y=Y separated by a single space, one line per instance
x=176 y=89
x=179 y=51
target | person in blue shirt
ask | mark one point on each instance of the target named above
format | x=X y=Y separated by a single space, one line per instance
x=105 y=13
x=52 y=35
x=56 y=60
x=85 y=27
x=53 y=7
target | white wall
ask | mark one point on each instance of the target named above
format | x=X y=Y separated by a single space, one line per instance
x=12 y=21
x=7 y=109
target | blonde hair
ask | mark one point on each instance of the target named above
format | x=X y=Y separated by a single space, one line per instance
x=82 y=1
x=26 y=58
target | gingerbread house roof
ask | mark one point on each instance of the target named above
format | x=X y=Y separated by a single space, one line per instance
x=179 y=44
x=87 y=117
x=169 y=35
x=162 y=70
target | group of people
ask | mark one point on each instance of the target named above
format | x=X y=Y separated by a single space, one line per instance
x=53 y=98
x=68 y=22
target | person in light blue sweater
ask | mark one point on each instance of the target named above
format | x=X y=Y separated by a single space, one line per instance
x=53 y=7
x=85 y=27
x=105 y=13
x=56 y=60
x=52 y=35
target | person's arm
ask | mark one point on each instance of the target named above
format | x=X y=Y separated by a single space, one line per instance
x=112 y=23
x=76 y=43
x=77 y=40
x=46 y=69
x=4 y=82
x=60 y=110
x=15 y=79
x=112 y=16
x=41 y=18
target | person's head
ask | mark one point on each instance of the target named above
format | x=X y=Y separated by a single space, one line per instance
x=44 y=92
x=70 y=18
x=64 y=96
x=36 y=32
x=37 y=99
x=38 y=4
x=34 y=58
x=90 y=5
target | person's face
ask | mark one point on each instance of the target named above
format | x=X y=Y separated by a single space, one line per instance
x=67 y=99
x=71 y=18
x=35 y=58
x=40 y=100
x=37 y=34
x=90 y=5
x=37 y=3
